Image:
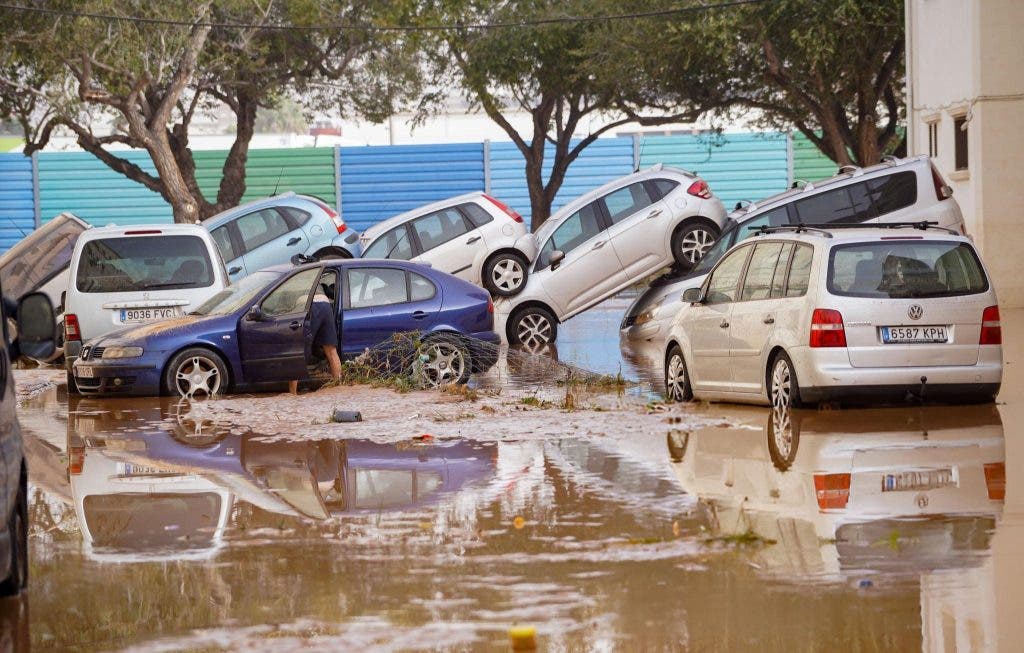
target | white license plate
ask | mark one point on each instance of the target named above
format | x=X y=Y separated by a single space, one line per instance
x=138 y=315
x=83 y=371
x=917 y=481
x=130 y=469
x=905 y=334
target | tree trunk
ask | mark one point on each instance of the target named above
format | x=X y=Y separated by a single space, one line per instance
x=184 y=204
x=232 y=182
x=540 y=206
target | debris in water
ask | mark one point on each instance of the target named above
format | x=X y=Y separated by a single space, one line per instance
x=523 y=638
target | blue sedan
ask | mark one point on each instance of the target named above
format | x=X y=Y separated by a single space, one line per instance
x=257 y=330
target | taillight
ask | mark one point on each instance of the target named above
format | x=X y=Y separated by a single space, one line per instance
x=832 y=491
x=508 y=210
x=942 y=190
x=995 y=481
x=76 y=460
x=991 y=330
x=827 y=328
x=338 y=222
x=490 y=305
x=700 y=189
x=71 y=330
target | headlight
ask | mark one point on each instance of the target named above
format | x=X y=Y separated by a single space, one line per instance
x=122 y=352
x=649 y=314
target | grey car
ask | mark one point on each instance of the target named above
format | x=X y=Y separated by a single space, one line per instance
x=273 y=230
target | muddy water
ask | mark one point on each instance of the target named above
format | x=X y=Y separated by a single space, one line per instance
x=888 y=529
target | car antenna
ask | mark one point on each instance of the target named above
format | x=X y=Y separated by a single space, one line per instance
x=278 y=182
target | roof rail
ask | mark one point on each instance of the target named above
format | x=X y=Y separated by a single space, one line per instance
x=826 y=229
x=795 y=228
x=852 y=169
x=890 y=160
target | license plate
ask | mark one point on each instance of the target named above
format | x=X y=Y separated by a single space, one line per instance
x=905 y=334
x=917 y=481
x=83 y=371
x=130 y=469
x=137 y=315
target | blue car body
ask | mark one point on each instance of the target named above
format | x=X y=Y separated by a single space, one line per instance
x=277 y=348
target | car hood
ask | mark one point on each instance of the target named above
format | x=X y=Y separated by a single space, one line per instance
x=662 y=288
x=191 y=325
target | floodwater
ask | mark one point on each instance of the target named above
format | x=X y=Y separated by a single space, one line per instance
x=891 y=529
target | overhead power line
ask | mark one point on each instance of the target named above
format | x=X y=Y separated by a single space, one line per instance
x=675 y=11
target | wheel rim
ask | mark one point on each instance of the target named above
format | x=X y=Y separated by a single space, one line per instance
x=675 y=377
x=534 y=330
x=782 y=431
x=197 y=375
x=444 y=364
x=695 y=244
x=507 y=274
x=781 y=384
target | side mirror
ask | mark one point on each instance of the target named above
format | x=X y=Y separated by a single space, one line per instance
x=556 y=258
x=255 y=314
x=693 y=296
x=37 y=330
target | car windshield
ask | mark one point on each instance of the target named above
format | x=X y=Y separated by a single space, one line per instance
x=139 y=263
x=905 y=268
x=237 y=295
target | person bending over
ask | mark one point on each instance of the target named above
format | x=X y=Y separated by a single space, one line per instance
x=324 y=327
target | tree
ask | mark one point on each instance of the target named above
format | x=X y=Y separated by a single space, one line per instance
x=833 y=70
x=149 y=78
x=559 y=72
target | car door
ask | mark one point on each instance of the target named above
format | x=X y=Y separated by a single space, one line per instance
x=268 y=239
x=590 y=270
x=448 y=242
x=635 y=233
x=708 y=323
x=230 y=250
x=754 y=314
x=380 y=302
x=274 y=347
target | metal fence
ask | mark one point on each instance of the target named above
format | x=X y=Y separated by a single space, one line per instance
x=369 y=184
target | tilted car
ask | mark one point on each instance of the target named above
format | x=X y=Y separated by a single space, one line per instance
x=474 y=237
x=607 y=239
x=271 y=231
x=897 y=190
x=808 y=314
x=257 y=330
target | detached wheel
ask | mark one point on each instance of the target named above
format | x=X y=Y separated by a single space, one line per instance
x=533 y=327
x=691 y=241
x=677 y=378
x=783 y=386
x=17 y=526
x=444 y=360
x=505 y=274
x=195 y=373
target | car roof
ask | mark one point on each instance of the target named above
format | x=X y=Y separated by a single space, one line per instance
x=394 y=221
x=858 y=234
x=348 y=262
x=142 y=229
x=215 y=220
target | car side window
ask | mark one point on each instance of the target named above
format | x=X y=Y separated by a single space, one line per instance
x=659 y=188
x=833 y=206
x=299 y=216
x=477 y=214
x=781 y=268
x=420 y=287
x=376 y=287
x=438 y=228
x=292 y=296
x=758 y=281
x=222 y=237
x=261 y=227
x=395 y=244
x=626 y=201
x=892 y=192
x=726 y=278
x=800 y=271
x=774 y=218
x=577 y=229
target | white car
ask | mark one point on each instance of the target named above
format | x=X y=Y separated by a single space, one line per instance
x=474 y=237
x=807 y=314
x=898 y=190
x=607 y=239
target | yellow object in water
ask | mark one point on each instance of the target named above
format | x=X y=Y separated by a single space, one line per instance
x=523 y=638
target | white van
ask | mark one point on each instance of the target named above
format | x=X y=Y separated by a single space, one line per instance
x=122 y=276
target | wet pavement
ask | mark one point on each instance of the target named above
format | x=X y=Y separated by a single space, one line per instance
x=867 y=529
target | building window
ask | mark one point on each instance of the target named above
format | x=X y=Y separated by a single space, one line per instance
x=960 y=142
x=933 y=139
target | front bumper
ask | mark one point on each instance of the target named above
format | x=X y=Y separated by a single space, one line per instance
x=483 y=350
x=136 y=377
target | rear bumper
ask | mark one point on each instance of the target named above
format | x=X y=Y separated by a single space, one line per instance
x=944 y=392
x=353 y=247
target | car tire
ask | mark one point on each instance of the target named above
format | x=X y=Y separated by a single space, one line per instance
x=505 y=274
x=332 y=255
x=72 y=386
x=17 y=525
x=783 y=437
x=677 y=377
x=532 y=327
x=678 y=441
x=691 y=241
x=443 y=360
x=783 y=386
x=196 y=372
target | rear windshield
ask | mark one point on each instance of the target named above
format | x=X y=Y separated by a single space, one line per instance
x=139 y=263
x=905 y=268
x=143 y=522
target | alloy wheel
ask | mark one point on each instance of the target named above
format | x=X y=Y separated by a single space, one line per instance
x=782 y=431
x=695 y=244
x=445 y=363
x=534 y=330
x=781 y=385
x=508 y=274
x=197 y=375
x=675 y=377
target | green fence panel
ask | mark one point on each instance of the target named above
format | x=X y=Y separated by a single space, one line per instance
x=306 y=170
x=809 y=163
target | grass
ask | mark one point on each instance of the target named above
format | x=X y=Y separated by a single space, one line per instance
x=746 y=538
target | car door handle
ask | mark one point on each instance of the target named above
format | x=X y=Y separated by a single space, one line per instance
x=235 y=270
x=724 y=325
x=472 y=240
x=655 y=213
x=768 y=319
x=295 y=324
x=294 y=240
x=418 y=315
x=599 y=244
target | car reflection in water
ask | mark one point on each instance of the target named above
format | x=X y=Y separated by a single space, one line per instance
x=161 y=480
x=852 y=492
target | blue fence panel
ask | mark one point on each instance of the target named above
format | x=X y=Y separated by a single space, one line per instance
x=78 y=182
x=602 y=161
x=377 y=182
x=742 y=166
x=17 y=215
